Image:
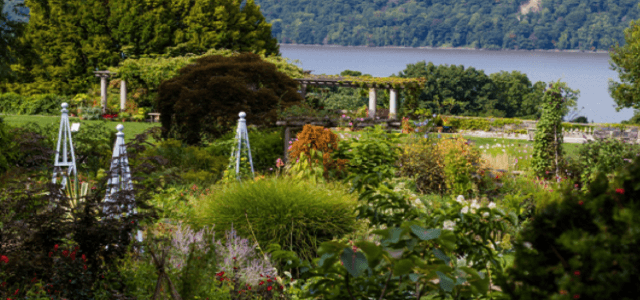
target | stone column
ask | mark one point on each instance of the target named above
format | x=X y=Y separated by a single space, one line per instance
x=372 y=103
x=123 y=95
x=393 y=100
x=103 y=93
x=304 y=90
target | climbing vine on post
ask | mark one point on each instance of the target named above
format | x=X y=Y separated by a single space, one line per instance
x=547 y=145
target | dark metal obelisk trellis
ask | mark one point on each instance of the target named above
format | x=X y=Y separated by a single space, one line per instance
x=67 y=158
x=119 y=177
x=242 y=136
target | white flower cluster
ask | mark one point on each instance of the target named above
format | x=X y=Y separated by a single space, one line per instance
x=473 y=206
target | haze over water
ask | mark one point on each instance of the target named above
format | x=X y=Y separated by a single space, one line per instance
x=587 y=72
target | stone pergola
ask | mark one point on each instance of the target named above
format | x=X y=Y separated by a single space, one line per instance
x=104 y=76
x=349 y=82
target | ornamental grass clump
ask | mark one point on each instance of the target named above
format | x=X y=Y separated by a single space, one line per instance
x=294 y=214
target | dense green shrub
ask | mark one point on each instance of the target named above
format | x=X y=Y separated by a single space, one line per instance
x=374 y=152
x=294 y=214
x=421 y=161
x=582 y=246
x=604 y=156
x=208 y=95
x=190 y=163
x=4 y=147
x=40 y=104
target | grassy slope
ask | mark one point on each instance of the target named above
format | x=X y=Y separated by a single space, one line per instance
x=131 y=129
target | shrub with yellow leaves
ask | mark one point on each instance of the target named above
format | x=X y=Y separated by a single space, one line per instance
x=440 y=166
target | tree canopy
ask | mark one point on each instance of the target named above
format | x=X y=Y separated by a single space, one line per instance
x=206 y=97
x=626 y=61
x=65 y=41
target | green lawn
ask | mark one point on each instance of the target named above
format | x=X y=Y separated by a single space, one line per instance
x=131 y=129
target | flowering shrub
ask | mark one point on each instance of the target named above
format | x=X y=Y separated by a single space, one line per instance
x=461 y=160
x=578 y=246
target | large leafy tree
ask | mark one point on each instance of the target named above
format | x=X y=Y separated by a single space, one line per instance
x=470 y=88
x=626 y=61
x=205 y=99
x=70 y=39
x=517 y=97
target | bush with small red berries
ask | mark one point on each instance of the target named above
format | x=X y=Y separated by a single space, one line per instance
x=583 y=246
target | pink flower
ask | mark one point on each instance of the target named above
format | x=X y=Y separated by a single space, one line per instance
x=350 y=124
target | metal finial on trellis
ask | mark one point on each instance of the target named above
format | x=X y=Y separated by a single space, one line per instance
x=66 y=158
x=242 y=136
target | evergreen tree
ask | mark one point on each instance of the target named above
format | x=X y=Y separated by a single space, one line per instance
x=70 y=40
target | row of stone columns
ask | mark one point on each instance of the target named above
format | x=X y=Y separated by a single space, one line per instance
x=104 y=76
x=393 y=100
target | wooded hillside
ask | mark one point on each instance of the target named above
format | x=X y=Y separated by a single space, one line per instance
x=497 y=24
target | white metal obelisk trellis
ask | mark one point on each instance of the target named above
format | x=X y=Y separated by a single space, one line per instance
x=242 y=136
x=119 y=172
x=62 y=159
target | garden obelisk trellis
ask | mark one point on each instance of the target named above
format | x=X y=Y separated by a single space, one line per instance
x=242 y=136
x=66 y=158
x=119 y=173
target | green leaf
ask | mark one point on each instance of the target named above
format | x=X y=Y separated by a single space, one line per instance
x=446 y=283
x=370 y=249
x=402 y=267
x=425 y=234
x=440 y=255
x=395 y=234
x=414 y=277
x=354 y=262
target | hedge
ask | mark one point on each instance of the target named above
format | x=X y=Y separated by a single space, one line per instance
x=44 y=104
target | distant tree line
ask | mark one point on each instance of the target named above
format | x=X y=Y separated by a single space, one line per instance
x=497 y=24
x=455 y=90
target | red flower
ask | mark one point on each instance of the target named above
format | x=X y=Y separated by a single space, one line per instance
x=576 y=185
x=4 y=259
x=563 y=292
x=269 y=280
x=577 y=273
x=220 y=274
x=234 y=258
x=580 y=202
x=84 y=258
x=33 y=280
x=620 y=191
x=249 y=287
x=261 y=275
x=261 y=283
x=16 y=292
x=73 y=255
x=55 y=248
x=281 y=287
x=84 y=267
x=576 y=296
x=269 y=288
x=65 y=253
x=76 y=248
x=50 y=253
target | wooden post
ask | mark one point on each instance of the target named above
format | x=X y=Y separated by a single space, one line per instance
x=123 y=95
x=393 y=100
x=287 y=137
x=372 y=103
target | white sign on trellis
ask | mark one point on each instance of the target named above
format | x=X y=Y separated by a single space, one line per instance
x=67 y=158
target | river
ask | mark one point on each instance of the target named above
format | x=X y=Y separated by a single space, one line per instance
x=587 y=72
